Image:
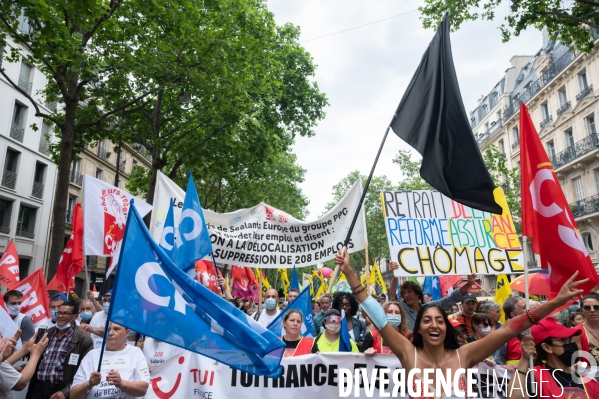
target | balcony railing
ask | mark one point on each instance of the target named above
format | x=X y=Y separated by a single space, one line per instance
x=486 y=136
x=585 y=207
x=546 y=121
x=25 y=232
x=5 y=229
x=515 y=145
x=584 y=146
x=43 y=148
x=9 y=179
x=17 y=132
x=38 y=190
x=69 y=217
x=563 y=108
x=76 y=178
x=554 y=69
x=584 y=93
x=25 y=85
x=102 y=153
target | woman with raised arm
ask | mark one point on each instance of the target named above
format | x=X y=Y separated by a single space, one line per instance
x=434 y=342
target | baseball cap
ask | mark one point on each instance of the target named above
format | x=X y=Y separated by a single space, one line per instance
x=549 y=328
x=58 y=296
x=469 y=296
x=456 y=323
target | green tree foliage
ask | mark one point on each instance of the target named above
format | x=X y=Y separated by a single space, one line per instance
x=240 y=93
x=410 y=172
x=570 y=20
x=193 y=82
x=506 y=178
x=76 y=45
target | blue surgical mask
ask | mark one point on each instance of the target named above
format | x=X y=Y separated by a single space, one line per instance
x=270 y=304
x=66 y=326
x=86 y=315
x=106 y=306
x=53 y=314
x=394 y=321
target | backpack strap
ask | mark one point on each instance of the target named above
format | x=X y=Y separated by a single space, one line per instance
x=257 y=315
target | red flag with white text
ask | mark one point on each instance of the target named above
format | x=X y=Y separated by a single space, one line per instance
x=71 y=260
x=36 y=303
x=206 y=275
x=9 y=266
x=546 y=215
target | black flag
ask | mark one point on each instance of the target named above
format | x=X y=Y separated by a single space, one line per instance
x=432 y=119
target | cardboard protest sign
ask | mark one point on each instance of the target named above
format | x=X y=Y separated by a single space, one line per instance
x=430 y=234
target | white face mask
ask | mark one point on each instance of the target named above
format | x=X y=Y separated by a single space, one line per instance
x=333 y=328
x=13 y=310
x=485 y=330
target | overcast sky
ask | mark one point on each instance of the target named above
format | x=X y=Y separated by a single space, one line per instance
x=364 y=73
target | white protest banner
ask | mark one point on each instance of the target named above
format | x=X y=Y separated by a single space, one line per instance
x=194 y=376
x=266 y=237
x=166 y=191
x=430 y=234
x=105 y=210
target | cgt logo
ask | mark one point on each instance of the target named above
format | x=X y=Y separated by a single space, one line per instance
x=169 y=394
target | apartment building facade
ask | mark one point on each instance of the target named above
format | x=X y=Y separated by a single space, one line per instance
x=560 y=88
x=28 y=174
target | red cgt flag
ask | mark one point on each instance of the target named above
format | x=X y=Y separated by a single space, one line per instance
x=71 y=261
x=546 y=215
x=56 y=285
x=9 y=266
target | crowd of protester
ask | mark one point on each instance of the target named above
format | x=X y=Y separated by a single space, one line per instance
x=62 y=355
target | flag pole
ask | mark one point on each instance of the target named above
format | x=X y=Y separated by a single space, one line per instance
x=364 y=191
x=367 y=269
x=526 y=292
x=260 y=290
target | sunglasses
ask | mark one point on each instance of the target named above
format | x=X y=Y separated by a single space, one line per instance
x=587 y=308
x=333 y=319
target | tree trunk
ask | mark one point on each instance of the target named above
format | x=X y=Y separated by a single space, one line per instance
x=62 y=191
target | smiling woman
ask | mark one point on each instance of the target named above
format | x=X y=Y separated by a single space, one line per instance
x=434 y=344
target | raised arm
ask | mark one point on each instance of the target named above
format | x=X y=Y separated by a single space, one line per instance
x=479 y=350
x=401 y=347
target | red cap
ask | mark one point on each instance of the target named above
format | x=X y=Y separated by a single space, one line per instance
x=549 y=328
x=456 y=323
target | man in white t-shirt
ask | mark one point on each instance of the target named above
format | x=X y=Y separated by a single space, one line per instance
x=270 y=310
x=97 y=324
x=124 y=372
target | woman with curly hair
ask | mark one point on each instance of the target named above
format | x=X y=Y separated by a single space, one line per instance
x=373 y=342
x=348 y=303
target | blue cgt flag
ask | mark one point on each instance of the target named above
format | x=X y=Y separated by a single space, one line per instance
x=155 y=298
x=303 y=303
x=432 y=286
x=167 y=239
x=192 y=241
